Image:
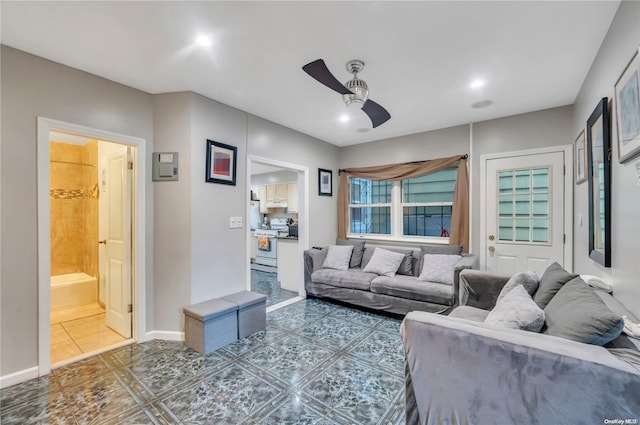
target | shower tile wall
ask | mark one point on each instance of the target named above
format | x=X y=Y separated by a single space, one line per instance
x=74 y=208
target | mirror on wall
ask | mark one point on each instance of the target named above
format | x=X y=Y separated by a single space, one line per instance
x=599 y=174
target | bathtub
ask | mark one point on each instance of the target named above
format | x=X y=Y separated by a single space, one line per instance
x=73 y=290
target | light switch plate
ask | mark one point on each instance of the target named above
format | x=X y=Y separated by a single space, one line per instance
x=235 y=222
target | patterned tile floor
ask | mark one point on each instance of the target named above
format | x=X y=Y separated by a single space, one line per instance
x=317 y=363
x=267 y=283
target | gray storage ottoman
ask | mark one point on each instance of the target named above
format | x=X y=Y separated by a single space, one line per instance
x=252 y=312
x=210 y=325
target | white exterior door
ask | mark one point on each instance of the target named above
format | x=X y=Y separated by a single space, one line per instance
x=118 y=243
x=524 y=217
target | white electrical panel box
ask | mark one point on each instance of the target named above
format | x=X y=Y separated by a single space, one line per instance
x=165 y=166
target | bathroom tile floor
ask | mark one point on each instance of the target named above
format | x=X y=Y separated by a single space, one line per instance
x=83 y=334
x=317 y=363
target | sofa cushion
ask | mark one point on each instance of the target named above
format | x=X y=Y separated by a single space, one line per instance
x=410 y=287
x=517 y=310
x=437 y=249
x=358 y=250
x=338 y=257
x=384 y=262
x=576 y=312
x=527 y=279
x=439 y=268
x=550 y=283
x=469 y=313
x=354 y=279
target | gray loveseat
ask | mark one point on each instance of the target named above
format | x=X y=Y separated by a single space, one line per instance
x=398 y=294
x=460 y=370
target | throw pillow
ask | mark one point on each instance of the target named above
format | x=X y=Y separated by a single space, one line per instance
x=550 y=283
x=517 y=310
x=437 y=249
x=338 y=257
x=406 y=267
x=358 y=250
x=439 y=268
x=384 y=262
x=578 y=313
x=527 y=279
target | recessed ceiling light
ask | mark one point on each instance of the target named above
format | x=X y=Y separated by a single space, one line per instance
x=344 y=118
x=476 y=84
x=203 y=41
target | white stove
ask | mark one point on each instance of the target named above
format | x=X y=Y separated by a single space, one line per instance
x=266 y=232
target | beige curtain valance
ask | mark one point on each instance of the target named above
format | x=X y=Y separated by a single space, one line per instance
x=459 y=232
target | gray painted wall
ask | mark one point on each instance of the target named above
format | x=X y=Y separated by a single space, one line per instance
x=270 y=140
x=172 y=208
x=33 y=87
x=617 y=49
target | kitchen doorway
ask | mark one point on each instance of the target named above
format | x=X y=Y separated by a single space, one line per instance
x=277 y=229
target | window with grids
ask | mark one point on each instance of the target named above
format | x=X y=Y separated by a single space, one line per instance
x=524 y=205
x=418 y=207
x=426 y=204
x=370 y=206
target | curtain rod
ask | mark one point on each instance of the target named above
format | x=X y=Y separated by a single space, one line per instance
x=465 y=156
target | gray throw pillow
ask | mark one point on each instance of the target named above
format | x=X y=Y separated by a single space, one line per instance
x=550 y=283
x=358 y=250
x=437 y=249
x=406 y=267
x=578 y=313
x=338 y=257
x=384 y=262
x=527 y=279
x=439 y=268
x=517 y=310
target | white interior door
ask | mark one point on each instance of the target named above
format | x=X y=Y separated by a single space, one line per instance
x=118 y=243
x=524 y=213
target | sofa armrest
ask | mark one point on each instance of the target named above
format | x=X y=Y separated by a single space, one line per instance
x=467 y=372
x=468 y=261
x=313 y=259
x=480 y=289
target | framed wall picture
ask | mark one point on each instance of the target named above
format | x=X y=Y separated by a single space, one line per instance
x=325 y=182
x=581 y=159
x=627 y=98
x=221 y=163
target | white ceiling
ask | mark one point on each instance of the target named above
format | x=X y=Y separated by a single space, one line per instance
x=420 y=56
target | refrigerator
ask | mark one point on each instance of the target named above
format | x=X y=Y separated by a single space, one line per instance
x=254 y=215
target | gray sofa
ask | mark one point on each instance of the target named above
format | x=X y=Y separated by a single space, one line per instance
x=460 y=370
x=398 y=294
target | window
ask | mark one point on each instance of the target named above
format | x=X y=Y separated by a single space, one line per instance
x=412 y=208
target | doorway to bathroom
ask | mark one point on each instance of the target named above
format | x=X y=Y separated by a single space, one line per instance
x=91 y=287
x=90 y=208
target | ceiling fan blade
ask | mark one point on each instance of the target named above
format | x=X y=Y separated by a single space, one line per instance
x=318 y=70
x=377 y=113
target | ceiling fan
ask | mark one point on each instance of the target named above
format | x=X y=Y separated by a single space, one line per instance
x=355 y=92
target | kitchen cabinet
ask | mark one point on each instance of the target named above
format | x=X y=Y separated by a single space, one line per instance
x=292 y=197
x=271 y=193
x=281 y=192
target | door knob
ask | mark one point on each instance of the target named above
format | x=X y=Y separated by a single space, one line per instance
x=492 y=248
x=491 y=237
x=104 y=241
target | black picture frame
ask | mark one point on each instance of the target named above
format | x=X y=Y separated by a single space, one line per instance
x=599 y=177
x=325 y=182
x=221 y=163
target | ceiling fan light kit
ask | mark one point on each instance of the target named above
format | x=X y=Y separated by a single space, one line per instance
x=355 y=92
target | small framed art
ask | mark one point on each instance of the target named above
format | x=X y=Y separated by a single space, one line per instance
x=325 y=182
x=221 y=163
x=581 y=159
x=627 y=98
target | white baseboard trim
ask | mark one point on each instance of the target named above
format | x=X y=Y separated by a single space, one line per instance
x=165 y=335
x=18 y=377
